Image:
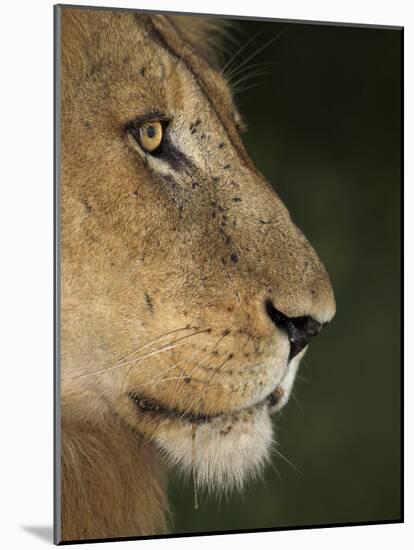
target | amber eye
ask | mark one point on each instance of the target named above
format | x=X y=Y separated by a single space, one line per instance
x=150 y=135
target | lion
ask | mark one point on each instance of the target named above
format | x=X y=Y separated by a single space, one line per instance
x=188 y=294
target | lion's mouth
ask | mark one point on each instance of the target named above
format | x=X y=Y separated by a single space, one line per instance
x=149 y=406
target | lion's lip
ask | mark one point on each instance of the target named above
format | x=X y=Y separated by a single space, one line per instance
x=149 y=406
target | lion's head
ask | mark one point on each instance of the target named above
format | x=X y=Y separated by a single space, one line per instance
x=188 y=294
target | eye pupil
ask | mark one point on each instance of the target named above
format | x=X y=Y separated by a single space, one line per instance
x=151 y=131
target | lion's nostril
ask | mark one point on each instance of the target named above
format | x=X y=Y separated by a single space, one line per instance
x=300 y=330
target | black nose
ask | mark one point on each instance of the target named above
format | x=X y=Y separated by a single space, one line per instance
x=300 y=330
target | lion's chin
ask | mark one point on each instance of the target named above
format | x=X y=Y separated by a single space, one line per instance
x=223 y=452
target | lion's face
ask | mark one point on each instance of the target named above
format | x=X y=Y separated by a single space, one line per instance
x=188 y=294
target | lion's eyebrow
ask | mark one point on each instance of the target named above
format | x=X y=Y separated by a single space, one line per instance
x=148 y=116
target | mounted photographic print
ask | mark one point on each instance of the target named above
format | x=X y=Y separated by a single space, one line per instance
x=228 y=274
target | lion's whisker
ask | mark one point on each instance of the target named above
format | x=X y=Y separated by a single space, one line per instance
x=187 y=327
x=200 y=363
x=239 y=51
x=159 y=380
x=173 y=342
x=187 y=363
x=274 y=448
x=139 y=358
x=134 y=370
x=244 y=70
x=264 y=46
x=215 y=372
x=167 y=347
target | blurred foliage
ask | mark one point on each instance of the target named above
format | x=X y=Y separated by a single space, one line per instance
x=325 y=129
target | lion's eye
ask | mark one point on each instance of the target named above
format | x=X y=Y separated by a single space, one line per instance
x=151 y=135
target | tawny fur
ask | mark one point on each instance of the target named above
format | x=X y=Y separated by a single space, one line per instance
x=112 y=484
x=166 y=264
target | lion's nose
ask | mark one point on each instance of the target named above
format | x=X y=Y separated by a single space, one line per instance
x=300 y=330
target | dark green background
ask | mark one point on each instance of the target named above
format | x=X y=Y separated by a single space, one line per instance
x=325 y=128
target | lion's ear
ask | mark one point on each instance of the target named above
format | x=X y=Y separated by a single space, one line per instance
x=207 y=35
